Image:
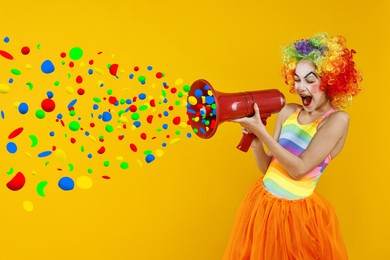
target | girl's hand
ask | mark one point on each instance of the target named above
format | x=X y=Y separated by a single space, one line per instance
x=251 y=124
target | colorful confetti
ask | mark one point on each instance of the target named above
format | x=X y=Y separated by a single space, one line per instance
x=72 y=111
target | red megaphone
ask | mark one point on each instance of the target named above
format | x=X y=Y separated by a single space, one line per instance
x=207 y=108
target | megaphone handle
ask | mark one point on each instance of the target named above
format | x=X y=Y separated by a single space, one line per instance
x=246 y=142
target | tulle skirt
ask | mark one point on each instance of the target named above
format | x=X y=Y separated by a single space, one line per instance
x=271 y=228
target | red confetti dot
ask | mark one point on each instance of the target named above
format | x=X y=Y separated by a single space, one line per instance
x=48 y=105
x=25 y=50
x=170 y=108
x=133 y=147
x=6 y=55
x=91 y=62
x=149 y=119
x=120 y=137
x=136 y=68
x=92 y=124
x=106 y=177
x=114 y=69
x=17 y=182
x=63 y=54
x=81 y=91
x=71 y=64
x=112 y=100
x=143 y=136
x=133 y=108
x=152 y=103
x=15 y=133
x=72 y=140
x=79 y=79
x=173 y=90
x=159 y=75
x=176 y=120
x=101 y=150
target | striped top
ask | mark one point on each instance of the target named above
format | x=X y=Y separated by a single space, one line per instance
x=295 y=138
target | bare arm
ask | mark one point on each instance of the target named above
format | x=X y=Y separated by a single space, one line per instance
x=329 y=135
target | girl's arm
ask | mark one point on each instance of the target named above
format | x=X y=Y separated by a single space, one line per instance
x=329 y=135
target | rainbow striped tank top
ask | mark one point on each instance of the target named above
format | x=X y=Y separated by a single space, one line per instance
x=295 y=138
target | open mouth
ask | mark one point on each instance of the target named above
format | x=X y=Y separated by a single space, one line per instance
x=306 y=100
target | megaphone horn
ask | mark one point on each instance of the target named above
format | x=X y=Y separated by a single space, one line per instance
x=207 y=108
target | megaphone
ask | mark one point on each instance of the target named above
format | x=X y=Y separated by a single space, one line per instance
x=207 y=108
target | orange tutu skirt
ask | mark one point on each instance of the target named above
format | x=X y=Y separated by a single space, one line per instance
x=271 y=228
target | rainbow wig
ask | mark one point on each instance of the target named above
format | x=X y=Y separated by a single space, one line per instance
x=340 y=79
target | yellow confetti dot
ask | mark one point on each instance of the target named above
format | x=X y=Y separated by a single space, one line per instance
x=159 y=152
x=28 y=66
x=98 y=71
x=173 y=141
x=119 y=158
x=123 y=119
x=192 y=100
x=4 y=88
x=69 y=90
x=61 y=155
x=178 y=82
x=84 y=182
x=28 y=206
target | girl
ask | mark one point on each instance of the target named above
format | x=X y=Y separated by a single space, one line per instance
x=282 y=216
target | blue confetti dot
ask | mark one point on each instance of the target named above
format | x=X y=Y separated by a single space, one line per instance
x=51 y=133
x=128 y=101
x=166 y=113
x=6 y=39
x=131 y=76
x=106 y=116
x=165 y=126
x=11 y=147
x=72 y=103
x=23 y=108
x=209 y=99
x=50 y=94
x=11 y=80
x=142 y=96
x=90 y=71
x=89 y=155
x=47 y=67
x=149 y=158
x=198 y=93
x=59 y=116
x=95 y=107
x=137 y=124
x=44 y=154
x=150 y=67
x=66 y=183
x=189 y=135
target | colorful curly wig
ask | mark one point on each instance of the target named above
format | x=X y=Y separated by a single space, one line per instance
x=340 y=79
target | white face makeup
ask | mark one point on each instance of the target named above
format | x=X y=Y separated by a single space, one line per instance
x=307 y=85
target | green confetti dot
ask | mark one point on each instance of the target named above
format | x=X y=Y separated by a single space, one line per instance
x=97 y=100
x=30 y=85
x=56 y=83
x=72 y=113
x=142 y=79
x=40 y=114
x=82 y=148
x=90 y=170
x=180 y=94
x=123 y=101
x=106 y=163
x=109 y=92
x=177 y=132
x=143 y=107
x=163 y=93
x=16 y=72
x=74 y=125
x=109 y=128
x=71 y=167
x=146 y=152
x=177 y=102
x=76 y=53
x=135 y=116
x=186 y=88
x=124 y=165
